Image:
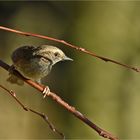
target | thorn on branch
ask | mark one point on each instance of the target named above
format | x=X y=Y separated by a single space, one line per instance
x=25 y=108
x=107 y=135
x=52 y=126
x=13 y=93
x=81 y=49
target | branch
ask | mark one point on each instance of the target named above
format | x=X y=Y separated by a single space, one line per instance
x=42 y=115
x=72 y=46
x=56 y=98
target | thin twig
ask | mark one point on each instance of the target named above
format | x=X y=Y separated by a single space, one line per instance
x=72 y=46
x=61 y=102
x=42 y=115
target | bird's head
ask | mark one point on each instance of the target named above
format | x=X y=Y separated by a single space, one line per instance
x=51 y=53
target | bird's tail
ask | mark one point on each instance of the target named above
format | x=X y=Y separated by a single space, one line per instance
x=15 y=80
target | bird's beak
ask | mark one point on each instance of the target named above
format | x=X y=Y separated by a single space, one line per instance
x=67 y=58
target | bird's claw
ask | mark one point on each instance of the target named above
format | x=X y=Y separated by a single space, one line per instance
x=46 y=91
x=11 y=69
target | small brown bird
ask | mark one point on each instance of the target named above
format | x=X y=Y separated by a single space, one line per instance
x=35 y=62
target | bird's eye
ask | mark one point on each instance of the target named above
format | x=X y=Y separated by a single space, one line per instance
x=56 y=54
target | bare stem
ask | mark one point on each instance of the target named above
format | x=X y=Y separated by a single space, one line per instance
x=72 y=46
x=61 y=102
x=42 y=115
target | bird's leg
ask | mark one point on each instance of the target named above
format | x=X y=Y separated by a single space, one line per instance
x=11 y=69
x=46 y=91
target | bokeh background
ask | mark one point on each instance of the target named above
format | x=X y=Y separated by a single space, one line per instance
x=107 y=94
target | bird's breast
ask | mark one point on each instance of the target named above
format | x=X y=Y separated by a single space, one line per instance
x=35 y=68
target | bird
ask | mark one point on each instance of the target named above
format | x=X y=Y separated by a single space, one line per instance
x=34 y=62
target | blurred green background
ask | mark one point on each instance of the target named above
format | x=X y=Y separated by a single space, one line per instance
x=106 y=93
